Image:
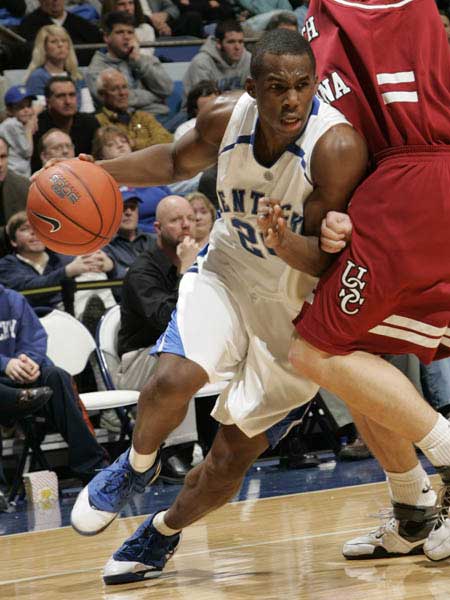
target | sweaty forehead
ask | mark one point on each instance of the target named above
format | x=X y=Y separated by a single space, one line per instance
x=286 y=65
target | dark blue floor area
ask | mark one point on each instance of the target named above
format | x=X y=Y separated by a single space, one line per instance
x=265 y=479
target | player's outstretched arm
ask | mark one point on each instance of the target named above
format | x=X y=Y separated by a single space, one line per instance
x=166 y=163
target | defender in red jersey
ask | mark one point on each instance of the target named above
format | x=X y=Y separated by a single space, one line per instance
x=386 y=66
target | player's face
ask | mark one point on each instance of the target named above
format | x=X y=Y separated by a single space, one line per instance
x=56 y=48
x=63 y=99
x=3 y=160
x=54 y=8
x=121 y=40
x=178 y=223
x=26 y=240
x=116 y=146
x=203 y=219
x=115 y=92
x=130 y=216
x=58 y=145
x=232 y=46
x=126 y=6
x=284 y=94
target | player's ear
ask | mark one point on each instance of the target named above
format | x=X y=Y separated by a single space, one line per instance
x=250 y=87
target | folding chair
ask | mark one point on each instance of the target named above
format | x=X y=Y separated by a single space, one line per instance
x=70 y=345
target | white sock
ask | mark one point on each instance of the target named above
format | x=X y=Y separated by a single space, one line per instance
x=413 y=487
x=160 y=525
x=141 y=462
x=436 y=444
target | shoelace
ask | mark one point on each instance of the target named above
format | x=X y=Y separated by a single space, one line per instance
x=119 y=481
x=386 y=515
x=147 y=540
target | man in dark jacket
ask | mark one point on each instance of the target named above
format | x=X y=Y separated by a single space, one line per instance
x=53 y=11
x=149 y=295
x=23 y=363
x=62 y=113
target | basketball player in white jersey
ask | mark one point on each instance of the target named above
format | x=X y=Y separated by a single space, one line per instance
x=276 y=144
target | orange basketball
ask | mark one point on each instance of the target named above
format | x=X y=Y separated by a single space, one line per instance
x=75 y=207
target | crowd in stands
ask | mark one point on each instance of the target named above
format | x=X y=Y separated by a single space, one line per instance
x=110 y=100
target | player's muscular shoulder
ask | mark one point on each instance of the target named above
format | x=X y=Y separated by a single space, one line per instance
x=213 y=120
x=340 y=154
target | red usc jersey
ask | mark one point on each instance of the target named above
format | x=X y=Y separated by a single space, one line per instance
x=394 y=94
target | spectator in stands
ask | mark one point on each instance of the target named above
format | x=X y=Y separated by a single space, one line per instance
x=61 y=112
x=55 y=144
x=11 y=12
x=111 y=142
x=143 y=129
x=211 y=11
x=31 y=266
x=13 y=195
x=166 y=19
x=149 y=295
x=199 y=96
x=143 y=28
x=148 y=81
x=52 y=12
x=446 y=22
x=129 y=242
x=18 y=129
x=222 y=59
x=53 y=54
x=205 y=215
x=23 y=361
x=283 y=20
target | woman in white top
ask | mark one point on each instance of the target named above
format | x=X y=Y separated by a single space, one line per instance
x=53 y=54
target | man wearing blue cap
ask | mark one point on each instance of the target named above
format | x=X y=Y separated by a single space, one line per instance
x=18 y=128
x=129 y=242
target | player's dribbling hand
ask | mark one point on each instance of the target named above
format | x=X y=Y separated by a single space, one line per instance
x=335 y=232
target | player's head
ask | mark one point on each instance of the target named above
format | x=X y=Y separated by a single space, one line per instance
x=283 y=81
x=22 y=236
x=175 y=220
x=230 y=40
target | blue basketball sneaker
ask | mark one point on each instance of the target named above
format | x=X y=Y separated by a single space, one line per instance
x=99 y=503
x=142 y=556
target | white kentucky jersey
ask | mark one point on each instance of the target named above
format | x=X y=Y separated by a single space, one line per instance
x=242 y=180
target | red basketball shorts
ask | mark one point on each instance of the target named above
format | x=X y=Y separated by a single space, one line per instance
x=389 y=290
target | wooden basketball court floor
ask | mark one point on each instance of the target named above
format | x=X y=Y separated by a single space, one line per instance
x=287 y=547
